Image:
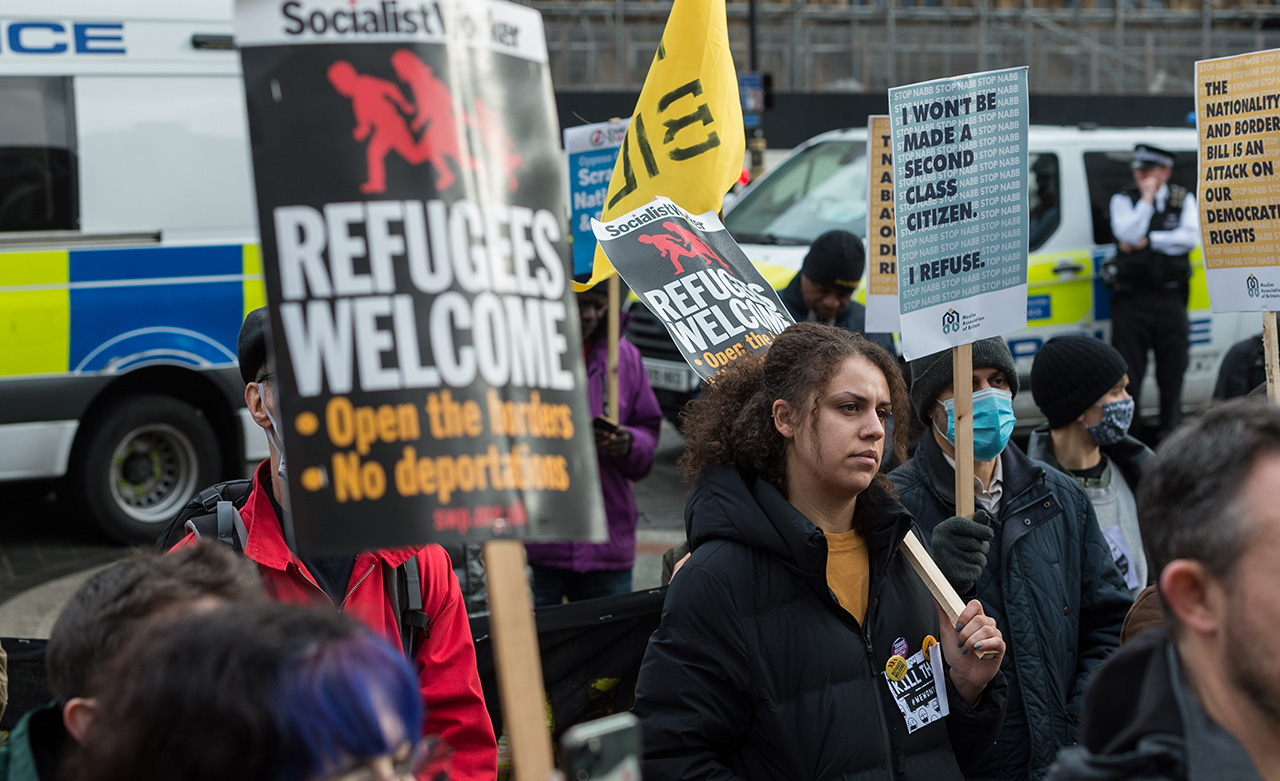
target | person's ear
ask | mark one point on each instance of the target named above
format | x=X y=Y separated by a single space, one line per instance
x=784 y=419
x=1194 y=597
x=256 y=404
x=77 y=716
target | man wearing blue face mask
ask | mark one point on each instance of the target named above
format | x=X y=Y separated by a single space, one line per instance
x=1033 y=554
x=1079 y=384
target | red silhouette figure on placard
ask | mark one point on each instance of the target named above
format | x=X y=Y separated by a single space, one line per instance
x=435 y=113
x=696 y=245
x=669 y=247
x=681 y=243
x=501 y=150
x=374 y=102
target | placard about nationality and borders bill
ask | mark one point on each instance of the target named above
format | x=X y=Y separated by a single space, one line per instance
x=960 y=201
x=1238 y=120
x=592 y=151
x=882 y=243
x=694 y=278
x=410 y=190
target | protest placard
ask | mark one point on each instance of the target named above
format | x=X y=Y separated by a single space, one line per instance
x=695 y=279
x=882 y=245
x=960 y=201
x=592 y=151
x=1238 y=120
x=410 y=191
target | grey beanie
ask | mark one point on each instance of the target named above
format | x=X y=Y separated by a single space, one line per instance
x=932 y=373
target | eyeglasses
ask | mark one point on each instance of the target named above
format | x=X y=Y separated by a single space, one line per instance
x=430 y=759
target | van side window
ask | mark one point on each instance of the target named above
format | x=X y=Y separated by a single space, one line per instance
x=1109 y=173
x=37 y=155
x=1043 y=192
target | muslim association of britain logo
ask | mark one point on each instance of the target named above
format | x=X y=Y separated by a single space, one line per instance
x=1251 y=284
x=950 y=321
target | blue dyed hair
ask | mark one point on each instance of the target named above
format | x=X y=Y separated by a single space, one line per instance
x=331 y=700
x=265 y=692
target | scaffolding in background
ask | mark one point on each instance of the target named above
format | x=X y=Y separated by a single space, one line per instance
x=1113 y=47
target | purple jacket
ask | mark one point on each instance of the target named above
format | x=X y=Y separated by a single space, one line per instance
x=640 y=413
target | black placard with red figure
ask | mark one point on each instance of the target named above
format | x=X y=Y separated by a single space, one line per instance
x=426 y=339
x=692 y=275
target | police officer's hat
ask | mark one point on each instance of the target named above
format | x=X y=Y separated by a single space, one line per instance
x=1145 y=156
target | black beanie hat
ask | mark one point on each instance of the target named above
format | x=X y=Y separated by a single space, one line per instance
x=932 y=373
x=1071 y=373
x=835 y=259
x=251 y=347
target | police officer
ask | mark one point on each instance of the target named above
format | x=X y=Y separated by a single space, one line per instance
x=1156 y=226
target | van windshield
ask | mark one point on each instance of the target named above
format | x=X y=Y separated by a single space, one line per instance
x=822 y=188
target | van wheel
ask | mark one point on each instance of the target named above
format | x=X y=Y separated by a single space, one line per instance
x=140 y=461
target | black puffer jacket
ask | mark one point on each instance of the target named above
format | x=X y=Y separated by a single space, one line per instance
x=1051 y=586
x=756 y=671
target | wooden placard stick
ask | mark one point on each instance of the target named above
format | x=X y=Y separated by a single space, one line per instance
x=517 y=660
x=611 y=377
x=1271 y=347
x=939 y=587
x=962 y=385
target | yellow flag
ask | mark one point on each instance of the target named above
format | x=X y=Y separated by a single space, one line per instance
x=685 y=140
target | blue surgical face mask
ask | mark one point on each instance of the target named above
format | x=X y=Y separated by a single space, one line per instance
x=1116 y=417
x=272 y=432
x=993 y=422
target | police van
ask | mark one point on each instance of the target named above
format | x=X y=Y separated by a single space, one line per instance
x=128 y=254
x=1073 y=172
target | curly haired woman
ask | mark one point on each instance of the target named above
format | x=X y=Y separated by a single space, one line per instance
x=792 y=642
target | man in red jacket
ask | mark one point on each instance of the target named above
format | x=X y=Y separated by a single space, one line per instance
x=445 y=658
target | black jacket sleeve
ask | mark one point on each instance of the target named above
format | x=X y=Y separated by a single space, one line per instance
x=973 y=731
x=1104 y=602
x=693 y=694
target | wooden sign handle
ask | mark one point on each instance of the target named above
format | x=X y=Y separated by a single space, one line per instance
x=938 y=584
x=611 y=378
x=517 y=660
x=962 y=385
x=1269 y=347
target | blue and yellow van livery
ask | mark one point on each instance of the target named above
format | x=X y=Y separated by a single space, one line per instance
x=128 y=255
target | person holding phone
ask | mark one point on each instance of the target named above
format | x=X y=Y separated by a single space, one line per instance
x=625 y=448
x=797 y=641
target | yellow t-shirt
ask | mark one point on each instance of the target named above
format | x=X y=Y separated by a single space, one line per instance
x=849 y=572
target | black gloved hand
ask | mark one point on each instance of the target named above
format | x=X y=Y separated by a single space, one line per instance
x=960 y=550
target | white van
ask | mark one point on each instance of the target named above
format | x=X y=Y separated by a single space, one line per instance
x=128 y=254
x=822 y=185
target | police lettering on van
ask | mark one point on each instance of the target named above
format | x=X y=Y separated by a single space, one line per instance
x=62 y=37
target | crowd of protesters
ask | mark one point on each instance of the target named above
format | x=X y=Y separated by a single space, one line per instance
x=796 y=640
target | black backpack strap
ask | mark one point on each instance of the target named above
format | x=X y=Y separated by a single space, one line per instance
x=200 y=515
x=404 y=592
x=223 y=523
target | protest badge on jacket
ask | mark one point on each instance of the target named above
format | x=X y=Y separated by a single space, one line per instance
x=692 y=275
x=919 y=689
x=410 y=190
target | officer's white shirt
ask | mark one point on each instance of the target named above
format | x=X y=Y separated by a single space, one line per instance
x=1129 y=223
